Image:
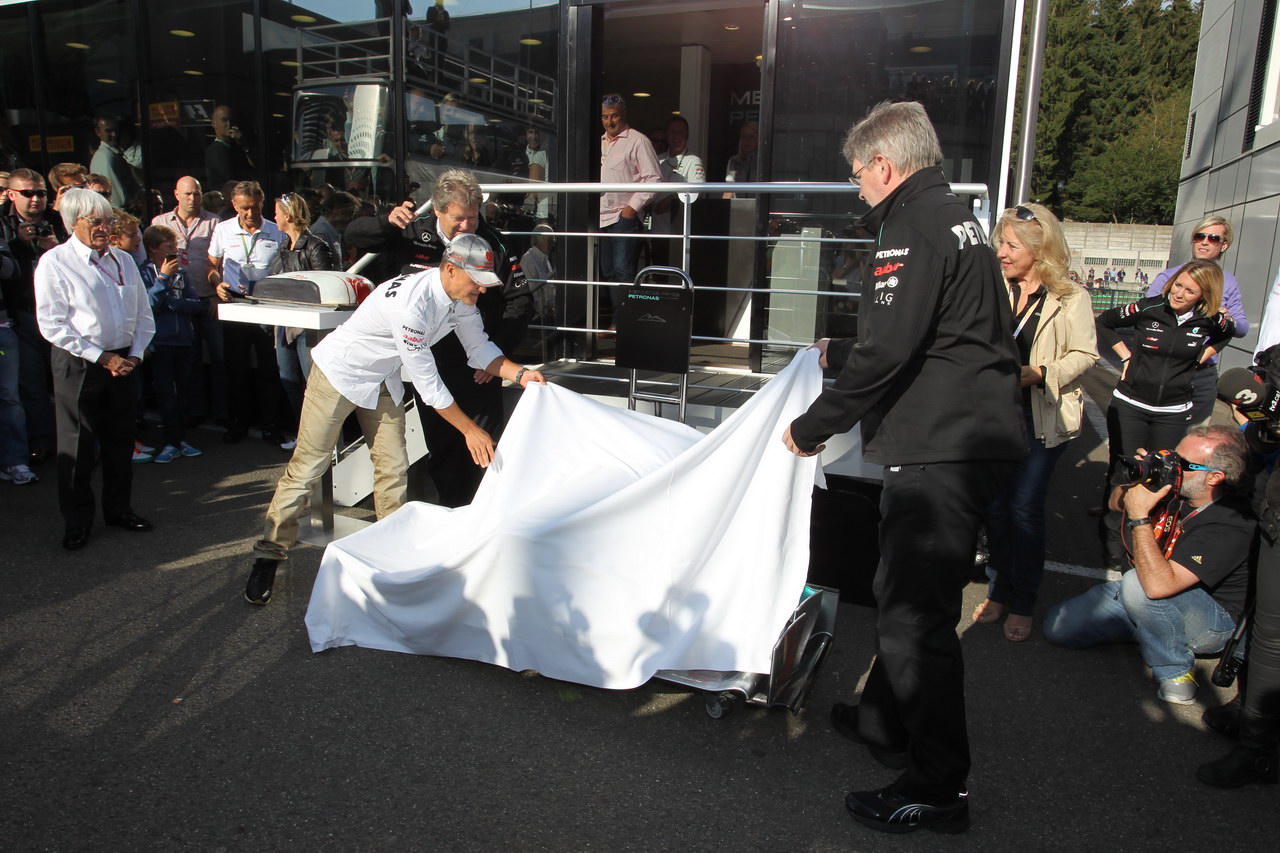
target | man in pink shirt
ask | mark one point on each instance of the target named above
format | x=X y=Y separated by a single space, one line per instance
x=626 y=156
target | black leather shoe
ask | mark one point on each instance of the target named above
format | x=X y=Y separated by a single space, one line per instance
x=1241 y=766
x=887 y=810
x=75 y=538
x=1224 y=719
x=130 y=522
x=261 y=578
x=844 y=718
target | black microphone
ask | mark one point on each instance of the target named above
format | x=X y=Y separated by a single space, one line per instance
x=1256 y=400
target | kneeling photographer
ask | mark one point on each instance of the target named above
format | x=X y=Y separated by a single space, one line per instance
x=1253 y=719
x=1188 y=543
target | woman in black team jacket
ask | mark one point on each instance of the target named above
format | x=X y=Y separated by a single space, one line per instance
x=1173 y=333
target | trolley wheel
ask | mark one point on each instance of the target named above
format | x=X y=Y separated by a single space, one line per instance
x=719 y=705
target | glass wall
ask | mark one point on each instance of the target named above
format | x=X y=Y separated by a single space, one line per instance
x=835 y=61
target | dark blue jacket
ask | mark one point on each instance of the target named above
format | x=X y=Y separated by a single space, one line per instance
x=173 y=304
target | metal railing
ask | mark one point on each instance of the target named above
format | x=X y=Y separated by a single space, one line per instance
x=686 y=240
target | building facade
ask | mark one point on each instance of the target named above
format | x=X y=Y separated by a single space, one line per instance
x=1231 y=160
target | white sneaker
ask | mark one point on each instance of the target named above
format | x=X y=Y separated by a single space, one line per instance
x=289 y=445
x=19 y=475
x=140 y=457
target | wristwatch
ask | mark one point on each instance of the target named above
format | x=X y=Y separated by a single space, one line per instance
x=520 y=374
x=1135 y=523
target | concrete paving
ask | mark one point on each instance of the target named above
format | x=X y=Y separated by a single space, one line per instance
x=144 y=705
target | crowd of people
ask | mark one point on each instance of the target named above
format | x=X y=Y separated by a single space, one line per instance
x=964 y=378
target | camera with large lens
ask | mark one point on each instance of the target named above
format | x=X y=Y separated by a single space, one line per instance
x=1155 y=470
x=42 y=228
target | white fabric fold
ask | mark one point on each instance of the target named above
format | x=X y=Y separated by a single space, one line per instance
x=602 y=546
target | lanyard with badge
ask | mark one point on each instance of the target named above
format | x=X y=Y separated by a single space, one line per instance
x=118 y=278
x=248 y=250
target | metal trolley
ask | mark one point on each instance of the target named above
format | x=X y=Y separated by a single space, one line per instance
x=797 y=658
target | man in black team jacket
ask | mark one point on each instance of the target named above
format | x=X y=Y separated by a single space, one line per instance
x=417 y=244
x=933 y=380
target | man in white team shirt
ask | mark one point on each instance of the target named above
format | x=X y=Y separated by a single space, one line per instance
x=357 y=369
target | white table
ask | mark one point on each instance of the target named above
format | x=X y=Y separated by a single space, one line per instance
x=312 y=530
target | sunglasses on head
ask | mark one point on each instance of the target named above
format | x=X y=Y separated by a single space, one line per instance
x=1200 y=236
x=612 y=99
x=1026 y=214
x=32 y=193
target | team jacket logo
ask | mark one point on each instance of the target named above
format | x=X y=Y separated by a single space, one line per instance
x=893 y=253
x=891 y=281
x=888 y=268
x=968 y=233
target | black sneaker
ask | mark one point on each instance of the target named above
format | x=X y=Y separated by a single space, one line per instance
x=887 y=810
x=261 y=578
x=844 y=718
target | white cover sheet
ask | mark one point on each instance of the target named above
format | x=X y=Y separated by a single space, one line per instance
x=602 y=546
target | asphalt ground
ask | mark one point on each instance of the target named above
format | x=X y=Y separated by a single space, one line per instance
x=145 y=706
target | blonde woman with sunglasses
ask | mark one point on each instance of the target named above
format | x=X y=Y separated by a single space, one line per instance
x=1210 y=240
x=1054 y=331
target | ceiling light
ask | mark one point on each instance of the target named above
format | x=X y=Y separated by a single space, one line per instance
x=289 y=63
x=303 y=19
x=477 y=79
x=531 y=41
x=920 y=48
x=675 y=112
x=640 y=94
x=186 y=34
x=536 y=101
x=277 y=115
x=105 y=80
x=78 y=45
x=787 y=18
x=283 y=94
x=732 y=27
x=759 y=56
x=191 y=73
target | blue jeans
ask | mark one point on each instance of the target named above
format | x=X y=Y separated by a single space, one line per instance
x=1015 y=529
x=618 y=257
x=1170 y=631
x=33 y=381
x=13 y=422
x=294 y=361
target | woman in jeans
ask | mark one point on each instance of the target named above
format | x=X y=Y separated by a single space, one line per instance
x=304 y=251
x=1054 y=330
x=1174 y=333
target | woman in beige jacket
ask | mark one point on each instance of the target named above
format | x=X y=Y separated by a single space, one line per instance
x=1054 y=330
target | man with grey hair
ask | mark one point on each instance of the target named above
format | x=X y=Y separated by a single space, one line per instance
x=415 y=243
x=932 y=378
x=1190 y=575
x=92 y=307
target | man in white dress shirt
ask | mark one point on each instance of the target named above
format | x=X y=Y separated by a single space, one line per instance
x=92 y=306
x=357 y=369
x=240 y=252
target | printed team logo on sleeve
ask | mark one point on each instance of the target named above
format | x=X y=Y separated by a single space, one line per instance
x=893 y=253
x=969 y=234
x=413 y=339
x=888 y=268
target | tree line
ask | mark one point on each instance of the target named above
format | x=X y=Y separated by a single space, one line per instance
x=1114 y=97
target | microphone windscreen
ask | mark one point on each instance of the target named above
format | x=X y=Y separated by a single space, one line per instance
x=1240 y=387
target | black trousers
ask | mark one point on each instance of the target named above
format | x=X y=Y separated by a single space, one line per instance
x=239 y=340
x=455 y=475
x=914 y=696
x=1262 y=691
x=95 y=414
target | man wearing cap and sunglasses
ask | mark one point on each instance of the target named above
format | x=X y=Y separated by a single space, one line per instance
x=1209 y=242
x=1190 y=575
x=357 y=369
